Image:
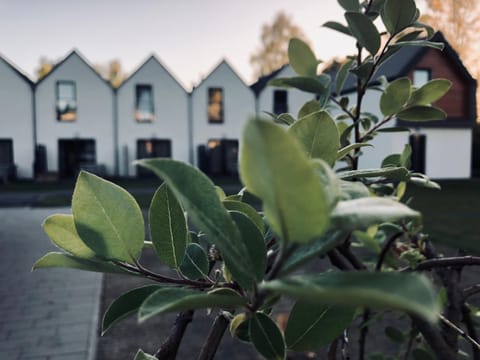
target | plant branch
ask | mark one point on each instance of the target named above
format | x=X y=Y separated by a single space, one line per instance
x=448 y=262
x=434 y=339
x=363 y=334
x=347 y=253
x=385 y=249
x=472 y=332
x=338 y=261
x=169 y=348
x=210 y=346
x=460 y=332
x=471 y=290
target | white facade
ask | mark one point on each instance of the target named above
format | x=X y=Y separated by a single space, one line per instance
x=94 y=112
x=295 y=98
x=170 y=110
x=16 y=117
x=238 y=105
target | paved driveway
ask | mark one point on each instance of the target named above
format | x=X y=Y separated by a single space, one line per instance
x=50 y=314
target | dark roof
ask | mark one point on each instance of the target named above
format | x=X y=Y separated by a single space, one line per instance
x=262 y=82
x=16 y=70
x=153 y=58
x=402 y=62
x=71 y=54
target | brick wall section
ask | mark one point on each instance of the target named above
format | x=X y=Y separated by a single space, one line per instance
x=454 y=103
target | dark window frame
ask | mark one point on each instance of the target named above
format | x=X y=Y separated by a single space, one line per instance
x=210 y=90
x=152 y=104
x=57 y=99
x=280 y=108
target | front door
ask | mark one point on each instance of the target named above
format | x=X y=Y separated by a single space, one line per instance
x=73 y=154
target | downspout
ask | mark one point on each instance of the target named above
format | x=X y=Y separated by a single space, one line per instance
x=190 y=127
x=115 y=132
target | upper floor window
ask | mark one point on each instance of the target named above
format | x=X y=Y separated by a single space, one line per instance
x=280 y=102
x=215 y=105
x=421 y=77
x=66 y=102
x=144 y=103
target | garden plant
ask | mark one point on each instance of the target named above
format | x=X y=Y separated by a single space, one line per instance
x=304 y=201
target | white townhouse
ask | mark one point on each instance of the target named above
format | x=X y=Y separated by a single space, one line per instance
x=17 y=129
x=75 y=119
x=278 y=100
x=152 y=117
x=220 y=106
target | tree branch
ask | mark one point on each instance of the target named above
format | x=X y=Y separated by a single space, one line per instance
x=472 y=332
x=471 y=290
x=169 y=348
x=210 y=346
x=448 y=262
x=460 y=332
x=385 y=249
x=434 y=339
x=338 y=261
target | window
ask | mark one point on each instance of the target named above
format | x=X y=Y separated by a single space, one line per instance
x=144 y=103
x=421 y=77
x=215 y=105
x=280 y=103
x=6 y=151
x=66 y=104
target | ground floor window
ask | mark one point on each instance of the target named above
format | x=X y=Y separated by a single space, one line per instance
x=219 y=157
x=74 y=155
x=418 y=144
x=152 y=148
x=7 y=166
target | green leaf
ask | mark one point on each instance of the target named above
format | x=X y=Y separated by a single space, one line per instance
x=430 y=92
x=422 y=113
x=272 y=161
x=399 y=173
x=392 y=160
x=338 y=27
x=267 y=337
x=306 y=84
x=349 y=148
x=395 y=334
x=197 y=194
x=248 y=210
x=361 y=213
x=364 y=70
x=301 y=58
x=311 y=326
x=353 y=190
x=195 y=263
x=107 y=218
x=424 y=182
x=329 y=182
x=179 y=299
x=363 y=29
x=59 y=259
x=318 y=134
x=168 y=228
x=143 y=356
x=342 y=76
x=125 y=305
x=220 y=193
x=398 y=14
x=253 y=239
x=316 y=248
x=395 y=96
x=239 y=327
x=308 y=108
x=422 y=43
x=405 y=156
x=60 y=228
x=412 y=293
x=286 y=119
x=350 y=5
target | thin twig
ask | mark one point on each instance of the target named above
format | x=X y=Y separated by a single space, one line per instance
x=345 y=346
x=385 y=249
x=471 y=290
x=472 y=331
x=346 y=251
x=169 y=348
x=363 y=334
x=210 y=346
x=460 y=332
x=448 y=262
x=332 y=350
x=434 y=339
x=339 y=261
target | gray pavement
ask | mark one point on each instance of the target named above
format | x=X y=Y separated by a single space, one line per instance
x=49 y=314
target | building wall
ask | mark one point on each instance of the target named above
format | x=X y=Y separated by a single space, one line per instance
x=16 y=118
x=296 y=98
x=171 y=112
x=238 y=105
x=94 y=113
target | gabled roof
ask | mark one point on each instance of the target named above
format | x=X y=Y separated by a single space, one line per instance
x=73 y=53
x=262 y=82
x=154 y=58
x=406 y=59
x=222 y=62
x=16 y=70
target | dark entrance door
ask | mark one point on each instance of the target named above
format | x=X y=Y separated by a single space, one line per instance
x=418 y=144
x=73 y=154
x=7 y=167
x=222 y=157
x=152 y=148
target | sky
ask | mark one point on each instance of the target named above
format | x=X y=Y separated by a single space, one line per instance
x=189 y=36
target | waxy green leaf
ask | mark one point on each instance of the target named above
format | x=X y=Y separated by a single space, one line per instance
x=107 y=219
x=412 y=293
x=422 y=113
x=363 y=29
x=342 y=76
x=125 y=305
x=430 y=92
x=301 y=58
x=168 y=228
x=267 y=337
x=347 y=149
x=143 y=356
x=307 y=84
x=395 y=96
x=399 y=173
x=350 y=5
x=361 y=213
x=334 y=25
x=398 y=14
x=308 y=108
x=60 y=228
x=311 y=326
x=271 y=161
x=248 y=210
x=179 y=299
x=318 y=135
x=197 y=194
x=195 y=263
